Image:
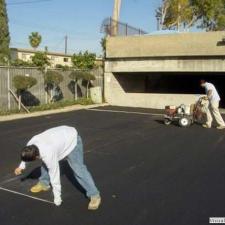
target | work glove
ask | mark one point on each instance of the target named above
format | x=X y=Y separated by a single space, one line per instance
x=57 y=201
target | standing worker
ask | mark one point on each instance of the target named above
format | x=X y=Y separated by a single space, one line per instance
x=51 y=146
x=213 y=107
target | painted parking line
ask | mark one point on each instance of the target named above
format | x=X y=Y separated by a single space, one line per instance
x=12 y=179
x=127 y=112
x=24 y=195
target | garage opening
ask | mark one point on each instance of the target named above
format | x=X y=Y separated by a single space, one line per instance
x=170 y=83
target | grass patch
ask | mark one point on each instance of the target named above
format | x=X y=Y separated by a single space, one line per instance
x=50 y=106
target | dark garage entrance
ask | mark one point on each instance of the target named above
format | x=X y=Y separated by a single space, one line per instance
x=170 y=83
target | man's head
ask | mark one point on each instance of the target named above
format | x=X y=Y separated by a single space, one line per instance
x=30 y=153
x=202 y=83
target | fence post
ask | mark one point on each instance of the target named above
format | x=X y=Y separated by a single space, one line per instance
x=46 y=90
x=8 y=86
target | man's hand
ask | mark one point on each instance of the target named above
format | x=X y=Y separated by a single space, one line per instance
x=57 y=201
x=18 y=171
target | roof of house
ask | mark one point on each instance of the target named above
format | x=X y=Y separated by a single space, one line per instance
x=167 y=45
x=34 y=51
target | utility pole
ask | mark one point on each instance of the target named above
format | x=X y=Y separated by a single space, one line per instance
x=66 y=43
x=116 y=16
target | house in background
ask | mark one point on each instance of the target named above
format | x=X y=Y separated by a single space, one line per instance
x=55 y=57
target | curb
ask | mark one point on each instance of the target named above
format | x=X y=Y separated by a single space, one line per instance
x=48 y=112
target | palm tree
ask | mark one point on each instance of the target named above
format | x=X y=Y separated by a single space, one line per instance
x=35 y=40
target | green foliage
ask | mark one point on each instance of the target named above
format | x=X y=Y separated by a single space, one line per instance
x=53 y=78
x=64 y=68
x=4 y=34
x=177 y=14
x=103 y=44
x=76 y=75
x=51 y=106
x=19 y=62
x=180 y=13
x=88 y=76
x=61 y=104
x=84 y=61
x=41 y=60
x=23 y=83
x=211 y=13
x=35 y=39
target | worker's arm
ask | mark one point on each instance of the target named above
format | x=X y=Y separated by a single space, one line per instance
x=209 y=93
x=20 y=168
x=54 y=174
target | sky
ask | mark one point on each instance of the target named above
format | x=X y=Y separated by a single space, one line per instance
x=79 y=20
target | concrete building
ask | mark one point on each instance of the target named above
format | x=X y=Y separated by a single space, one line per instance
x=157 y=70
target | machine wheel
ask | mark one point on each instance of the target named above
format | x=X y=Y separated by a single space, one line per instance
x=167 y=122
x=184 y=122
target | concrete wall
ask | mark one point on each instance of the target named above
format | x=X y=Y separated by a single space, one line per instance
x=178 y=44
x=37 y=93
x=184 y=52
x=115 y=95
x=166 y=65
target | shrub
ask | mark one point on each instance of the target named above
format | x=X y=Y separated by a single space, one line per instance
x=52 y=79
x=23 y=83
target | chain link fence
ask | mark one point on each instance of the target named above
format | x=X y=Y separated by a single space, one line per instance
x=116 y=28
x=37 y=94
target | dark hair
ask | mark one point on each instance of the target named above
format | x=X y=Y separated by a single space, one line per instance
x=29 y=153
x=202 y=81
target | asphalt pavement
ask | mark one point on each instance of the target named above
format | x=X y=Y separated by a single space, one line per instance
x=148 y=173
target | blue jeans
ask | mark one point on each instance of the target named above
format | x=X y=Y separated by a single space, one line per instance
x=76 y=162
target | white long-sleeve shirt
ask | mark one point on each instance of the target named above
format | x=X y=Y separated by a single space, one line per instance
x=54 y=145
x=215 y=95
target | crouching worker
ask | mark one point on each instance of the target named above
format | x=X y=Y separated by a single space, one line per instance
x=214 y=100
x=51 y=146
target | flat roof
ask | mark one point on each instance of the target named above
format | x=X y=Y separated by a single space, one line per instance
x=34 y=51
x=167 y=45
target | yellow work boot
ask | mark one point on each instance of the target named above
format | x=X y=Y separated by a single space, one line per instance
x=206 y=126
x=39 y=188
x=94 y=203
x=221 y=127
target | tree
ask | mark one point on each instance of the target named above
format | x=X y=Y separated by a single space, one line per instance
x=103 y=44
x=21 y=63
x=176 y=14
x=75 y=76
x=35 y=40
x=161 y=12
x=84 y=61
x=88 y=77
x=4 y=34
x=41 y=60
x=211 y=14
x=23 y=83
x=52 y=79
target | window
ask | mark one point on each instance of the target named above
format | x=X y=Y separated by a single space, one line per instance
x=66 y=60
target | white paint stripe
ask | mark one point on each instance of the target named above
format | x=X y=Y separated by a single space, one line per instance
x=28 y=196
x=10 y=180
x=117 y=111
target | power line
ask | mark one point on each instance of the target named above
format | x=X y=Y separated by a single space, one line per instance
x=28 y=2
